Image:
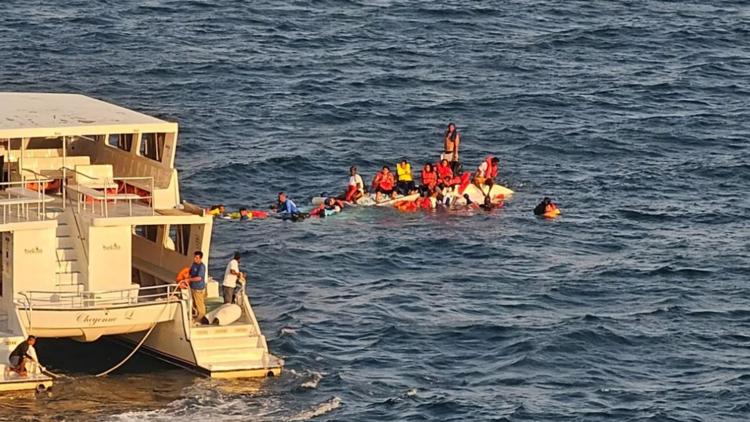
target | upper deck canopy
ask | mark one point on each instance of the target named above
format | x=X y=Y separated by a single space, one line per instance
x=35 y=115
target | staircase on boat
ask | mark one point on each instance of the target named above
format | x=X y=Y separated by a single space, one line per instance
x=70 y=272
x=235 y=348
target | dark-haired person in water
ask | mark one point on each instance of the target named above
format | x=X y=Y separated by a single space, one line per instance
x=547 y=208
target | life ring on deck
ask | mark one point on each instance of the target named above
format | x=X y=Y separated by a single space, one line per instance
x=182 y=278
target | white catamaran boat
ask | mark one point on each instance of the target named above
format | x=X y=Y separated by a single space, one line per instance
x=93 y=233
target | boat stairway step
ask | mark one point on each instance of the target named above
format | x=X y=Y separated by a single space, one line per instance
x=222 y=355
x=65 y=242
x=244 y=330
x=70 y=277
x=69 y=288
x=217 y=343
x=62 y=231
x=66 y=254
x=69 y=266
x=234 y=365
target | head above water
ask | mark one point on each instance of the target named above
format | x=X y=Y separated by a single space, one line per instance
x=495 y=160
x=243 y=211
x=282 y=197
x=31 y=340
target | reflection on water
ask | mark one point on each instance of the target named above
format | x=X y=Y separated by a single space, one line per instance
x=143 y=383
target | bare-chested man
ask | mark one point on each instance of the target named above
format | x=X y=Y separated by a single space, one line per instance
x=451 y=143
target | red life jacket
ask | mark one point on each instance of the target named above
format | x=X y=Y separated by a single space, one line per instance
x=429 y=178
x=444 y=172
x=491 y=172
x=386 y=181
x=425 y=203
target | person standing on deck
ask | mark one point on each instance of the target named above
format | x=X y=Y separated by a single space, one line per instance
x=451 y=143
x=198 y=286
x=231 y=274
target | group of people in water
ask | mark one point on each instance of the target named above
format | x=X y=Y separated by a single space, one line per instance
x=441 y=185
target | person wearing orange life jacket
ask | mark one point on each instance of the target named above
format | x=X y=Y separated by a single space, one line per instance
x=429 y=178
x=405 y=184
x=487 y=172
x=445 y=174
x=547 y=208
x=384 y=183
x=426 y=201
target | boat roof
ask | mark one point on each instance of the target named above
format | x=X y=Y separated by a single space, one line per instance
x=26 y=114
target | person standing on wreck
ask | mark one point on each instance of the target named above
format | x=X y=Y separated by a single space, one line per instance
x=198 y=286
x=451 y=143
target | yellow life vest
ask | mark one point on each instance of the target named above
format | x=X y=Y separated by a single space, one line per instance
x=404 y=172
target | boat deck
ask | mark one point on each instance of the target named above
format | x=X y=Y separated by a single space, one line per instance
x=15 y=209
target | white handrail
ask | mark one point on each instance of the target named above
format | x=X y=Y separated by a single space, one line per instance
x=46 y=299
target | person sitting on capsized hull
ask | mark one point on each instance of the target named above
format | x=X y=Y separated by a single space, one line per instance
x=405 y=185
x=356 y=187
x=384 y=184
x=486 y=172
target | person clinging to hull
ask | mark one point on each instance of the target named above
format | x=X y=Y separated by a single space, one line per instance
x=451 y=144
x=547 y=208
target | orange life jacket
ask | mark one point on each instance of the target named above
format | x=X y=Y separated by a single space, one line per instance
x=429 y=178
x=386 y=181
x=182 y=278
x=444 y=172
x=491 y=172
x=425 y=203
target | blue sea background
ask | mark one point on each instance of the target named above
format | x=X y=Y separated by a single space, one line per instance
x=632 y=115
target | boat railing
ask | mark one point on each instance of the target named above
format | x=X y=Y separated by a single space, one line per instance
x=100 y=191
x=106 y=299
x=18 y=198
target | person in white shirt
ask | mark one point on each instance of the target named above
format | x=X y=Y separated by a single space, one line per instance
x=356 y=187
x=231 y=274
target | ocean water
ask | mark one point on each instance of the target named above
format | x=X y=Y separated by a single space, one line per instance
x=633 y=116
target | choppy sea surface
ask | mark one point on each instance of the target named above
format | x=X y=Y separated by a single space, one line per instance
x=633 y=306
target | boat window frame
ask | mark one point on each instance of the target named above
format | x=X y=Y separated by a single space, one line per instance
x=119 y=145
x=157 y=143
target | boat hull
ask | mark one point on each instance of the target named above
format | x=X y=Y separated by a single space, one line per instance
x=90 y=324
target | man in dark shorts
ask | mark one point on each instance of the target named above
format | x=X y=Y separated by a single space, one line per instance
x=20 y=355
